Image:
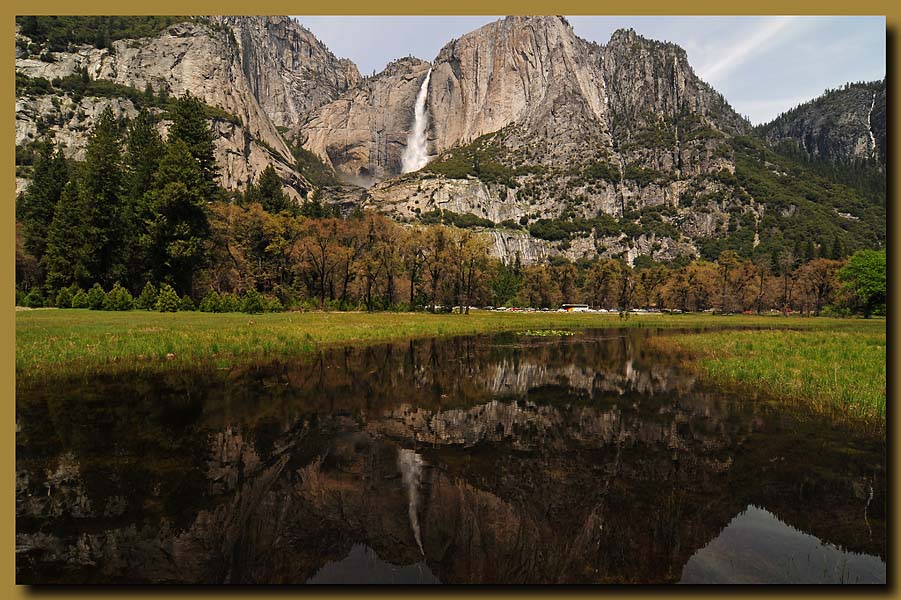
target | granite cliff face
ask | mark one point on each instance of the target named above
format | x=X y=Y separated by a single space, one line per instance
x=289 y=71
x=362 y=134
x=536 y=73
x=263 y=70
x=530 y=122
x=844 y=125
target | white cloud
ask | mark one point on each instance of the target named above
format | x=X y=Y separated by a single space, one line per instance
x=730 y=56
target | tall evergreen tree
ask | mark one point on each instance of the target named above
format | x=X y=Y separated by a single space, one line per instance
x=102 y=185
x=51 y=173
x=68 y=256
x=189 y=124
x=838 y=249
x=179 y=226
x=270 y=195
x=144 y=150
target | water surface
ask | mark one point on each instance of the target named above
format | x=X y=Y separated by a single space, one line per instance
x=504 y=458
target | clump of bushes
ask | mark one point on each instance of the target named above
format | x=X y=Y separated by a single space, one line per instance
x=168 y=300
x=96 y=297
x=186 y=304
x=212 y=302
x=147 y=299
x=118 y=298
x=164 y=299
x=80 y=299
x=34 y=299
x=251 y=302
x=64 y=297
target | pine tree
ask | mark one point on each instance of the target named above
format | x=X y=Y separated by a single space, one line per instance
x=168 y=300
x=179 y=227
x=103 y=195
x=96 y=297
x=189 y=124
x=39 y=202
x=68 y=259
x=64 y=298
x=838 y=250
x=147 y=299
x=144 y=150
x=810 y=251
x=270 y=195
x=211 y=303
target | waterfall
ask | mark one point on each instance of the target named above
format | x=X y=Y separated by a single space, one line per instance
x=410 y=465
x=870 y=126
x=416 y=154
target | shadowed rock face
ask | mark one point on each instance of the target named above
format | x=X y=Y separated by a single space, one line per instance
x=501 y=459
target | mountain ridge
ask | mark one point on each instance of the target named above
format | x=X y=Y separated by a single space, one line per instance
x=538 y=134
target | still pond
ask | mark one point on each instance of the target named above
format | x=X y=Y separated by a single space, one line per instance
x=492 y=459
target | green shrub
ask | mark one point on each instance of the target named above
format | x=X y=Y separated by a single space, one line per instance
x=96 y=297
x=147 y=299
x=80 y=299
x=20 y=297
x=835 y=311
x=168 y=300
x=211 y=303
x=118 y=298
x=253 y=302
x=230 y=303
x=64 y=298
x=273 y=305
x=186 y=303
x=34 y=299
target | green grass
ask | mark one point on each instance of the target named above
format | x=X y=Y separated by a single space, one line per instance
x=835 y=371
x=83 y=342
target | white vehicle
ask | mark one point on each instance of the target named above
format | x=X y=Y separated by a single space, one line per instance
x=575 y=307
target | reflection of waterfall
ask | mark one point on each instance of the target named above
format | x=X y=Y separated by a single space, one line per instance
x=416 y=154
x=410 y=465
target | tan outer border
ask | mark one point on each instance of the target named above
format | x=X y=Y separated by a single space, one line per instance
x=891 y=10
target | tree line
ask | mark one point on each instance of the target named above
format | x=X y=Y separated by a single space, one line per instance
x=142 y=218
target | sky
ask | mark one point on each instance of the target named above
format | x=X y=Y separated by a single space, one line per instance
x=763 y=65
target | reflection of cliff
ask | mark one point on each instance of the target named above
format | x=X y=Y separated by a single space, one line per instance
x=486 y=462
x=527 y=426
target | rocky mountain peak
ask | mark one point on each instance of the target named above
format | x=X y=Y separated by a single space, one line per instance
x=408 y=65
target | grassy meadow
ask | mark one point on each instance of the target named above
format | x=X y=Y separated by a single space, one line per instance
x=835 y=371
x=828 y=362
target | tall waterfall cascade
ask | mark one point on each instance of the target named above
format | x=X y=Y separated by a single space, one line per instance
x=416 y=154
x=870 y=126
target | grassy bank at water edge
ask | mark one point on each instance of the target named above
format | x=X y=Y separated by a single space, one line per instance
x=828 y=361
x=832 y=371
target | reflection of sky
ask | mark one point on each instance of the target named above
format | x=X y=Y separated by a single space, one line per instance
x=756 y=547
x=762 y=65
x=363 y=565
